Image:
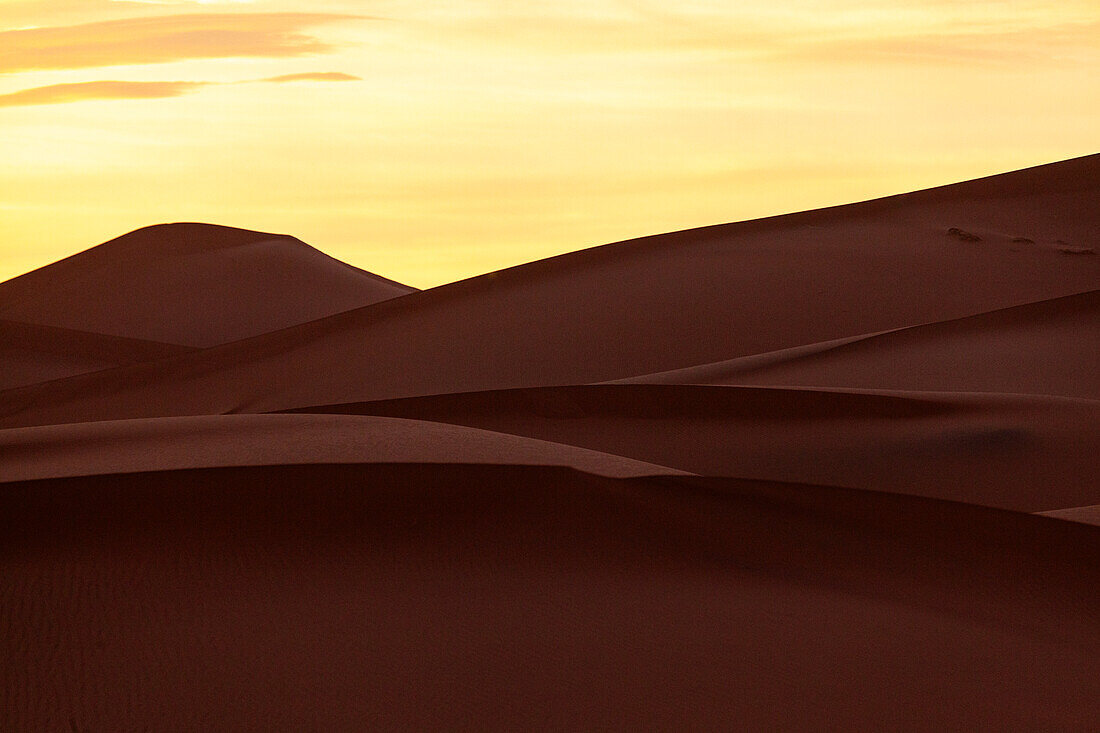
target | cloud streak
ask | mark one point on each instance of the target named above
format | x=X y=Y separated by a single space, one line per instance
x=100 y=90
x=83 y=91
x=313 y=76
x=990 y=47
x=161 y=39
x=900 y=37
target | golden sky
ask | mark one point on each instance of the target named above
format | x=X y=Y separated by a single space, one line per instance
x=430 y=140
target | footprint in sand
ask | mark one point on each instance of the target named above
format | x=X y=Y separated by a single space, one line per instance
x=963 y=235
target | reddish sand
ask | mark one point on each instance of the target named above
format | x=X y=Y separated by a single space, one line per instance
x=245 y=486
x=429 y=597
x=1049 y=347
x=31 y=353
x=1086 y=514
x=211 y=441
x=1015 y=452
x=192 y=284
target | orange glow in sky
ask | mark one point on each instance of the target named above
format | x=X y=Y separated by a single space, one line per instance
x=429 y=141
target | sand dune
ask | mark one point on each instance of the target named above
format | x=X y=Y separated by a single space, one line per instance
x=1085 y=514
x=191 y=284
x=429 y=597
x=1050 y=347
x=31 y=353
x=211 y=441
x=644 y=306
x=1014 y=452
x=245 y=486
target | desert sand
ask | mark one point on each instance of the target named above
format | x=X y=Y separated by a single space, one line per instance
x=829 y=470
x=192 y=285
x=32 y=353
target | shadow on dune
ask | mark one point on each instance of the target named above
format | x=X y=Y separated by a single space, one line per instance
x=526 y=597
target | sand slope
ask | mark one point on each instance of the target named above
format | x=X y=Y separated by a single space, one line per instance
x=191 y=284
x=31 y=353
x=212 y=441
x=442 y=597
x=644 y=306
x=1015 y=452
x=1085 y=514
x=1051 y=347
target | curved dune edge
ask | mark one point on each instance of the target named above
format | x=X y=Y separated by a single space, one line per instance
x=31 y=353
x=1045 y=347
x=444 y=596
x=1021 y=452
x=213 y=441
x=1083 y=514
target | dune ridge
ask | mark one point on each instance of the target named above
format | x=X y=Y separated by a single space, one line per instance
x=1022 y=452
x=1047 y=347
x=640 y=307
x=31 y=353
x=1085 y=514
x=213 y=441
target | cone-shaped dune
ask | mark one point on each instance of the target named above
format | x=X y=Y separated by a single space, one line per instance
x=191 y=284
x=829 y=470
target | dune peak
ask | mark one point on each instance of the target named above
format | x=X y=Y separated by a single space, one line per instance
x=189 y=236
x=192 y=284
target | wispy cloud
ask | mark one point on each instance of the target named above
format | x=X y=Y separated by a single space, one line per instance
x=83 y=91
x=161 y=39
x=314 y=76
x=994 y=45
x=892 y=35
x=98 y=90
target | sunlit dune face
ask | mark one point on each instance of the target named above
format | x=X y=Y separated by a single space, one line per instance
x=433 y=141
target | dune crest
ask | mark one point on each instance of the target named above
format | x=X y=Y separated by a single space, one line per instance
x=212 y=441
x=193 y=285
x=1049 y=347
x=31 y=353
x=1027 y=453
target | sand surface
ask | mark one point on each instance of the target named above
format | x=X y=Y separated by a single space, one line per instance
x=397 y=597
x=1085 y=514
x=210 y=441
x=644 y=306
x=32 y=353
x=834 y=470
x=192 y=284
x=1026 y=453
x=1048 y=347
